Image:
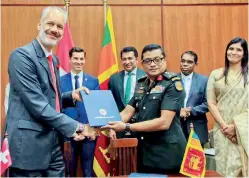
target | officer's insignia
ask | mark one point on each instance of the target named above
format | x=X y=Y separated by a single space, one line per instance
x=175 y=78
x=143 y=77
x=178 y=85
x=137 y=105
x=160 y=78
x=140 y=91
x=157 y=89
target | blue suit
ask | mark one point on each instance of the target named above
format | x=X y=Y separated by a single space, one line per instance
x=198 y=102
x=34 y=126
x=86 y=147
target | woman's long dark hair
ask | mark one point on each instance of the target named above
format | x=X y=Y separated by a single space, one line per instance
x=244 y=61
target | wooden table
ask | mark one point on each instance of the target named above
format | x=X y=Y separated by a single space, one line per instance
x=209 y=173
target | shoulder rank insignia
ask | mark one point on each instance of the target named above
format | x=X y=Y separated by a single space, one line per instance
x=169 y=75
x=178 y=85
x=140 y=89
x=142 y=78
x=175 y=78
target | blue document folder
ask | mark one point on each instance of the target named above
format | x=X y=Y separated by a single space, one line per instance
x=100 y=107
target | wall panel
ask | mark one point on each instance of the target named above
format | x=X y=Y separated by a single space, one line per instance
x=87 y=24
x=202 y=2
x=204 y=29
x=136 y=26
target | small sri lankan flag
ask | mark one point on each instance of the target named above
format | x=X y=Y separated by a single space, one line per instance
x=194 y=160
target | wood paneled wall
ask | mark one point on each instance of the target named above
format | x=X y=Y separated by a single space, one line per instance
x=205 y=26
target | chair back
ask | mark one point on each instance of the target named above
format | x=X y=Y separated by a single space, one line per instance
x=67 y=155
x=124 y=152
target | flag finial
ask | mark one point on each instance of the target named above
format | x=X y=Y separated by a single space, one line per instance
x=6 y=135
x=191 y=125
x=67 y=2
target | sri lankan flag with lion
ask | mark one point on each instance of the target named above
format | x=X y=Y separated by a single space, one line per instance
x=194 y=161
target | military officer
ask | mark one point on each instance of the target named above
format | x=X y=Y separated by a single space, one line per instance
x=157 y=101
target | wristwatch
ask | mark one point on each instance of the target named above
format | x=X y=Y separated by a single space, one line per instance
x=80 y=128
x=127 y=127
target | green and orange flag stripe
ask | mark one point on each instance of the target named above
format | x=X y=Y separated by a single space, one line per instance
x=108 y=65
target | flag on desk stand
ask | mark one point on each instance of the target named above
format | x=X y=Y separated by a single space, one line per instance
x=108 y=65
x=5 y=157
x=194 y=160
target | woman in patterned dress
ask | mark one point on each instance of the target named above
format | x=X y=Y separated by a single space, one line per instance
x=227 y=95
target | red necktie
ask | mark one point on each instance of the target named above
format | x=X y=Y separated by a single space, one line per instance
x=50 y=62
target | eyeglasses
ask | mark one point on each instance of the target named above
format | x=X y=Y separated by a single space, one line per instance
x=156 y=60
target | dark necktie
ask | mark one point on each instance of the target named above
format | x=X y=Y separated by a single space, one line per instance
x=50 y=62
x=78 y=105
x=77 y=84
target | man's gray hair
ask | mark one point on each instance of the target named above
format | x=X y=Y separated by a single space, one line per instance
x=53 y=8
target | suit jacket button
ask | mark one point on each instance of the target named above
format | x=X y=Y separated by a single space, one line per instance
x=142 y=138
x=144 y=108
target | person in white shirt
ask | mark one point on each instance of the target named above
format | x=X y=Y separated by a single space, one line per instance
x=123 y=83
x=78 y=78
x=34 y=123
x=195 y=103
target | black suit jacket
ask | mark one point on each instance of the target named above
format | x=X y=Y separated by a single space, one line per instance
x=198 y=102
x=116 y=85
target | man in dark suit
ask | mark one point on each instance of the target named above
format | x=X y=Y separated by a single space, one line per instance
x=69 y=82
x=195 y=103
x=34 y=122
x=122 y=84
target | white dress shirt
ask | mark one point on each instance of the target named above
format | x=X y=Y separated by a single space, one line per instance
x=80 y=79
x=187 y=80
x=133 y=81
x=47 y=53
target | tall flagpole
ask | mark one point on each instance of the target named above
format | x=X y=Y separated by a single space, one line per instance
x=105 y=7
x=67 y=3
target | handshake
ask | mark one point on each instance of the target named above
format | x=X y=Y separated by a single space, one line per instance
x=85 y=131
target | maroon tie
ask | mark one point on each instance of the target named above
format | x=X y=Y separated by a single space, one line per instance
x=50 y=62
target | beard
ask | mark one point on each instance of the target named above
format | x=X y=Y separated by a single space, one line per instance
x=46 y=41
